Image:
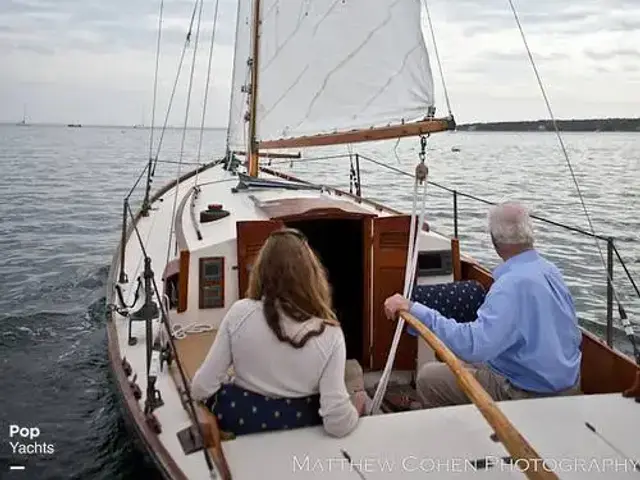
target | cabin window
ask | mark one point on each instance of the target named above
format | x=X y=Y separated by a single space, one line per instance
x=212 y=282
x=434 y=263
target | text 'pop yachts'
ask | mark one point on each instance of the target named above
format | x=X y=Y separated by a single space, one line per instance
x=23 y=441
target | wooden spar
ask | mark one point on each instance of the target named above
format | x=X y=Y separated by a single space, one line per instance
x=253 y=145
x=270 y=155
x=531 y=463
x=432 y=125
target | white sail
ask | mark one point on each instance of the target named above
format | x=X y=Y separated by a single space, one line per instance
x=333 y=65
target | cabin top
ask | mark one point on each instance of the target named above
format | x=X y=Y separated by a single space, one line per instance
x=202 y=220
x=446 y=441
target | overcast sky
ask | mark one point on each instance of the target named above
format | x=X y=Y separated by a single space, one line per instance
x=91 y=61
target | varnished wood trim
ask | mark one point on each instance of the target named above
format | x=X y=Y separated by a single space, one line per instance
x=634 y=390
x=250 y=236
x=368 y=135
x=253 y=97
x=472 y=271
x=177 y=221
x=210 y=430
x=367 y=241
x=214 y=438
x=271 y=155
x=366 y=201
x=324 y=214
x=604 y=370
x=455 y=259
x=390 y=243
x=204 y=283
x=183 y=281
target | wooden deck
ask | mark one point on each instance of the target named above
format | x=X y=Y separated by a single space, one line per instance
x=193 y=349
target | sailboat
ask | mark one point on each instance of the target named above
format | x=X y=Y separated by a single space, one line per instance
x=23 y=122
x=328 y=73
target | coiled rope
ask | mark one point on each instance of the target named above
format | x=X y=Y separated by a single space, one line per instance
x=179 y=331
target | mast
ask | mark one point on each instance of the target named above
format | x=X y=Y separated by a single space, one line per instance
x=253 y=144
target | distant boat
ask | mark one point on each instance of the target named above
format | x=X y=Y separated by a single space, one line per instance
x=74 y=125
x=23 y=122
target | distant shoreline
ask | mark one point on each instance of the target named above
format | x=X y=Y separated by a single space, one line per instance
x=578 y=125
x=590 y=125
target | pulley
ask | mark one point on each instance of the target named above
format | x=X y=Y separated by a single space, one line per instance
x=422 y=171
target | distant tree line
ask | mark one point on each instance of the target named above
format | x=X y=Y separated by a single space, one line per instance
x=592 y=125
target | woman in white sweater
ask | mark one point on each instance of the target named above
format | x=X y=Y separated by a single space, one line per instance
x=286 y=347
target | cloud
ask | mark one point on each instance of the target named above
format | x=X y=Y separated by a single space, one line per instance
x=68 y=49
x=582 y=49
x=92 y=61
x=609 y=54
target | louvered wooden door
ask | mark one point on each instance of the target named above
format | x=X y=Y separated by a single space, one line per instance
x=390 y=243
x=251 y=235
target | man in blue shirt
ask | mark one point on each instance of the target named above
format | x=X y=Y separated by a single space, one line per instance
x=525 y=341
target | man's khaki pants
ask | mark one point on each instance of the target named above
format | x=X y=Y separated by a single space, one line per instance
x=437 y=386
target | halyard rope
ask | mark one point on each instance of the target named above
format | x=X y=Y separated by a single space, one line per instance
x=410 y=270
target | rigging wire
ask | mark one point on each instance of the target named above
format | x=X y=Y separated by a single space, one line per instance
x=234 y=72
x=186 y=44
x=628 y=327
x=155 y=80
x=184 y=133
x=206 y=88
x=435 y=50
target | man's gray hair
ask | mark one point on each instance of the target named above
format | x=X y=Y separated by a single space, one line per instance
x=510 y=224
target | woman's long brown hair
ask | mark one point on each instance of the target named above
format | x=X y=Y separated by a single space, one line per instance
x=288 y=276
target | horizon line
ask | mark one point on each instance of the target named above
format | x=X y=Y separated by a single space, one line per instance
x=178 y=127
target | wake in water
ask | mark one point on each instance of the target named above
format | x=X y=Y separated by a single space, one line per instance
x=55 y=377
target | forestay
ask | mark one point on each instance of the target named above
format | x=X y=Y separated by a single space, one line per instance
x=237 y=138
x=330 y=65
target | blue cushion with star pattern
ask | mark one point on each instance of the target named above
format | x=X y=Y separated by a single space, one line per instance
x=459 y=301
x=240 y=411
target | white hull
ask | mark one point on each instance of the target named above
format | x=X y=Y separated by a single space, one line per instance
x=408 y=444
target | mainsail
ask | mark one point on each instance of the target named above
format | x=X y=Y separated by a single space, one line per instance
x=330 y=66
